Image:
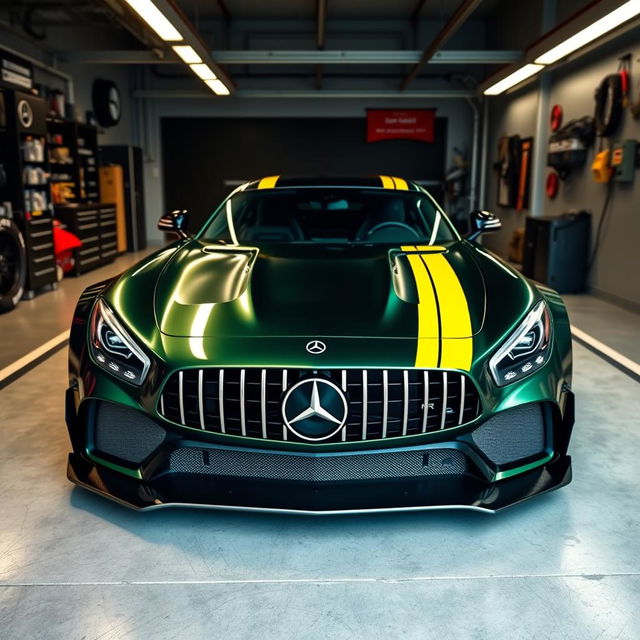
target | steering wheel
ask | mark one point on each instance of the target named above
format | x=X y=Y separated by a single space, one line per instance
x=386 y=225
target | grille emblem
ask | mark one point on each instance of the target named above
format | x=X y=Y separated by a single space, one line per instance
x=314 y=409
x=316 y=347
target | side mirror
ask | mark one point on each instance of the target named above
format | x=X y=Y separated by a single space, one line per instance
x=175 y=222
x=482 y=222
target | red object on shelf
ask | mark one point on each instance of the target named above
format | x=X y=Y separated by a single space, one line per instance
x=64 y=242
x=556 y=117
x=552 y=184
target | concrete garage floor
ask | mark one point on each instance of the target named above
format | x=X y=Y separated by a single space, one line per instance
x=565 y=565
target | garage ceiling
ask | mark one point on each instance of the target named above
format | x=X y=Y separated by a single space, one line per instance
x=304 y=45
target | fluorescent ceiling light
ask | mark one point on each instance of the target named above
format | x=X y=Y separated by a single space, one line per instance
x=218 y=87
x=511 y=80
x=203 y=71
x=612 y=20
x=155 y=19
x=187 y=53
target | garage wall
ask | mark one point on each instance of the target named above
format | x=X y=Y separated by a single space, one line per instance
x=573 y=87
x=199 y=179
x=341 y=34
x=457 y=113
x=83 y=77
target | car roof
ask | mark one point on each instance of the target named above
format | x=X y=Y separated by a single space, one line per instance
x=371 y=182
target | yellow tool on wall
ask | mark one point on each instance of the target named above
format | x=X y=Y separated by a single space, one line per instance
x=601 y=166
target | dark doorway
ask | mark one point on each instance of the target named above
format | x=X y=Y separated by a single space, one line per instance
x=205 y=158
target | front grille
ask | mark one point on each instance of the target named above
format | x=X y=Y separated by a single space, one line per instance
x=383 y=403
x=323 y=468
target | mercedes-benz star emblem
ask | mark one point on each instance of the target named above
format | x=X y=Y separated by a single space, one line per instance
x=25 y=114
x=314 y=409
x=316 y=347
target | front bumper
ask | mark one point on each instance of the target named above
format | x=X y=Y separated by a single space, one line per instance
x=444 y=474
x=442 y=492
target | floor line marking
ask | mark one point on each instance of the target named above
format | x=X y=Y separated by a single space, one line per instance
x=142 y=583
x=24 y=362
x=604 y=350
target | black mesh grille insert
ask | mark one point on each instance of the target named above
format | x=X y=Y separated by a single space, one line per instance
x=512 y=435
x=382 y=403
x=330 y=468
x=125 y=433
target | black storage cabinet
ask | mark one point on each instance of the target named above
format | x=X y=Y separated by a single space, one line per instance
x=24 y=121
x=556 y=251
x=95 y=225
x=130 y=159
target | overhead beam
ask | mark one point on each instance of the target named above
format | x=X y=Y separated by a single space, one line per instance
x=321 y=35
x=464 y=10
x=321 y=23
x=433 y=94
x=225 y=10
x=300 y=57
x=415 y=14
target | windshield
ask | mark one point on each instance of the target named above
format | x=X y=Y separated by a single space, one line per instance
x=329 y=216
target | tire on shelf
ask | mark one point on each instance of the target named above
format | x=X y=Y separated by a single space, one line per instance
x=13 y=265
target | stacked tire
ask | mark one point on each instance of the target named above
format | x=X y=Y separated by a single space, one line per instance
x=13 y=266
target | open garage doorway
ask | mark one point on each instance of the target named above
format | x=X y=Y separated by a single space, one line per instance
x=205 y=158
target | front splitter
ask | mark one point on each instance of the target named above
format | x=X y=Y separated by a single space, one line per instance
x=306 y=498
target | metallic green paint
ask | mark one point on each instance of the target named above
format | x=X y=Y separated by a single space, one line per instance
x=195 y=304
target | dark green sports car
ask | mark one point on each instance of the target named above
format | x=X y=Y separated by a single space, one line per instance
x=321 y=346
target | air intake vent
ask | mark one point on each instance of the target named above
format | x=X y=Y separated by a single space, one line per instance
x=125 y=433
x=382 y=403
x=512 y=435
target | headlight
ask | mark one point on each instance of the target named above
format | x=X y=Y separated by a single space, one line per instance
x=114 y=349
x=526 y=350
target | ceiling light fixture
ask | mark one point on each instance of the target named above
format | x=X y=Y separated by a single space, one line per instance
x=187 y=53
x=203 y=71
x=155 y=19
x=218 y=87
x=612 y=20
x=513 y=79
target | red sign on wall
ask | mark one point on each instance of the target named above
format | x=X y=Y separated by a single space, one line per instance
x=414 y=124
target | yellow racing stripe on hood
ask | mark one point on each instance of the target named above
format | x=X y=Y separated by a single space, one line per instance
x=268 y=183
x=455 y=320
x=401 y=184
x=428 y=347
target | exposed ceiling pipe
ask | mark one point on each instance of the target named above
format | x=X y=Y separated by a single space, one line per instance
x=428 y=94
x=306 y=57
x=460 y=15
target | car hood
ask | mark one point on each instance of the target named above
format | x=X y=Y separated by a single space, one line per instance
x=212 y=290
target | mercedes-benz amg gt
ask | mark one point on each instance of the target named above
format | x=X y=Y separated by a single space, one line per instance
x=321 y=346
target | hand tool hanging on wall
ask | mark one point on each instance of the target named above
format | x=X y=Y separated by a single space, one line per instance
x=568 y=145
x=526 y=151
x=611 y=98
x=635 y=107
x=508 y=165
